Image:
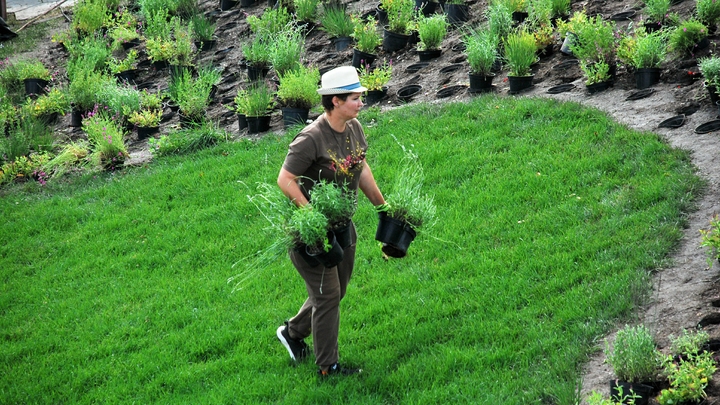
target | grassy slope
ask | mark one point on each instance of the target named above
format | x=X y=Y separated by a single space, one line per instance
x=114 y=288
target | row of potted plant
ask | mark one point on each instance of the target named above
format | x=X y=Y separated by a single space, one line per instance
x=639 y=366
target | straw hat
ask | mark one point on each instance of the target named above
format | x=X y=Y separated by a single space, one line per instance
x=341 y=80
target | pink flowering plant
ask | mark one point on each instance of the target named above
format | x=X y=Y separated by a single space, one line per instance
x=106 y=138
x=375 y=79
x=686 y=36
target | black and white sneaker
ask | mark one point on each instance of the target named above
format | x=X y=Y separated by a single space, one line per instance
x=337 y=369
x=297 y=348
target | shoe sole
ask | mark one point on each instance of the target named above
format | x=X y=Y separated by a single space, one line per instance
x=285 y=342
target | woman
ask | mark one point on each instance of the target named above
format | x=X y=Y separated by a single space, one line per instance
x=332 y=148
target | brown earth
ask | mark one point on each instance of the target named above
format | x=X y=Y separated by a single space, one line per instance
x=685 y=293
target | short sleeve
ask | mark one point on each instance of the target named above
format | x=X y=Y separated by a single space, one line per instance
x=301 y=152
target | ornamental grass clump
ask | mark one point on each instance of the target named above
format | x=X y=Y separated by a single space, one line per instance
x=288 y=49
x=685 y=38
x=656 y=10
x=255 y=101
x=707 y=11
x=431 y=31
x=481 y=50
x=298 y=88
x=337 y=23
x=306 y=10
x=649 y=50
x=633 y=356
x=337 y=203
x=407 y=200
x=400 y=14
x=520 y=52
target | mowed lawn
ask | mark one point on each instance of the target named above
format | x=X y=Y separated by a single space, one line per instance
x=550 y=219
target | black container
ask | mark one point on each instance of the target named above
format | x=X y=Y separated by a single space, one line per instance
x=395 y=235
x=646 y=77
x=392 y=41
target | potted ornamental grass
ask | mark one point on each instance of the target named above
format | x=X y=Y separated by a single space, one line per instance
x=312 y=240
x=182 y=48
x=520 y=53
x=375 y=80
x=367 y=39
x=203 y=32
x=124 y=69
x=255 y=104
x=648 y=53
x=297 y=93
x=431 y=32
x=408 y=208
x=338 y=204
x=481 y=51
x=34 y=75
x=288 y=49
x=400 y=14
x=711 y=240
x=339 y=25
x=710 y=69
x=708 y=12
x=191 y=95
x=258 y=52
x=654 y=12
x=306 y=13
x=635 y=361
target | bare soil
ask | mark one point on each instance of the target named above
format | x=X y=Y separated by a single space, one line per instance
x=685 y=293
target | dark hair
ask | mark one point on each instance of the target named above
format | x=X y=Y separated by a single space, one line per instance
x=327 y=102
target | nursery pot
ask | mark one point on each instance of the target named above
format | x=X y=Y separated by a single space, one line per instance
x=651 y=27
x=206 y=45
x=126 y=76
x=256 y=73
x=146 y=132
x=246 y=3
x=427 y=7
x=341 y=43
x=406 y=93
x=429 y=54
x=242 y=121
x=227 y=4
x=327 y=259
x=392 y=41
x=643 y=391
x=457 y=13
x=294 y=116
x=374 y=96
x=382 y=16
x=160 y=64
x=76 y=118
x=343 y=235
x=646 y=77
x=598 y=87
x=519 y=16
x=130 y=44
x=519 y=83
x=480 y=83
x=35 y=87
x=258 y=124
x=361 y=58
x=712 y=91
x=395 y=235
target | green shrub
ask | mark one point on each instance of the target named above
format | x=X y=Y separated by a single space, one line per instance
x=186 y=140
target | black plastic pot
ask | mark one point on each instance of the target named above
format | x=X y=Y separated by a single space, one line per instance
x=598 y=87
x=256 y=73
x=76 y=118
x=642 y=392
x=374 y=96
x=674 y=122
x=206 y=45
x=160 y=65
x=560 y=88
x=651 y=27
x=247 y=3
x=392 y=41
x=327 y=259
x=416 y=67
x=258 y=124
x=395 y=235
x=382 y=16
x=708 y=127
x=712 y=91
x=242 y=121
x=429 y=54
x=130 y=44
x=519 y=16
x=344 y=235
x=35 y=87
x=406 y=93
x=457 y=13
x=520 y=83
x=294 y=116
x=646 y=77
x=227 y=4
x=640 y=94
x=146 y=132
x=342 y=43
x=427 y=7
x=127 y=76
x=480 y=83
x=361 y=58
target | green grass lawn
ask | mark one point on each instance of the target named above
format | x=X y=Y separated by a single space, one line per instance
x=550 y=219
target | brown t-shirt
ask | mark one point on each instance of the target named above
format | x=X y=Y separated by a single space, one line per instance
x=319 y=152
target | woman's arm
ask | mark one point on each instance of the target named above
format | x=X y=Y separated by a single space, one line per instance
x=369 y=187
x=289 y=186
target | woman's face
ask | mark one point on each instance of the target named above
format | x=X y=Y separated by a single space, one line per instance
x=349 y=108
